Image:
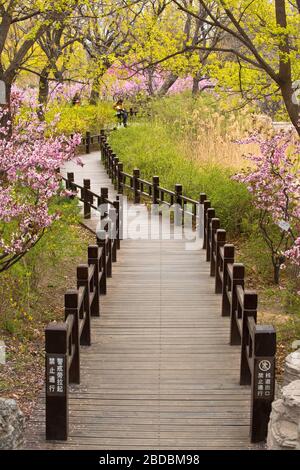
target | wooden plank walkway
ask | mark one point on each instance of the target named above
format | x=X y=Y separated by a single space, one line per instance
x=160 y=373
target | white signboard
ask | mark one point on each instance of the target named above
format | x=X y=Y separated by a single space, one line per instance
x=56 y=374
x=2 y=93
x=285 y=226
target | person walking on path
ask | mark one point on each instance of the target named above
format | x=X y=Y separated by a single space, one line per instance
x=122 y=114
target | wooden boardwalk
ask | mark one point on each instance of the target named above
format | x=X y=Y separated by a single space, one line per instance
x=160 y=373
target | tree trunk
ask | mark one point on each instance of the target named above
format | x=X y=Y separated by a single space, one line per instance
x=6 y=118
x=196 y=84
x=168 y=83
x=150 y=85
x=195 y=88
x=292 y=107
x=276 y=267
x=277 y=261
x=95 y=93
x=285 y=67
x=43 y=93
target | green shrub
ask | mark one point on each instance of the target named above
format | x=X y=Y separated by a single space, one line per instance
x=81 y=118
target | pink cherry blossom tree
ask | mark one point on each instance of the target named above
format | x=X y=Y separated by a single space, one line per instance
x=121 y=81
x=294 y=253
x=274 y=181
x=30 y=155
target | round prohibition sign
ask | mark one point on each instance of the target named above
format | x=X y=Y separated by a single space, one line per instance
x=264 y=365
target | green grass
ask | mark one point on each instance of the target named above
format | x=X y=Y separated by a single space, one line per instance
x=154 y=148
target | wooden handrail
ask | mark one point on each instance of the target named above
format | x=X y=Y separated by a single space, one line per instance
x=136 y=183
x=71 y=185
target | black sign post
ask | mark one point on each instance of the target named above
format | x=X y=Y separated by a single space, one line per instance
x=57 y=421
x=263 y=380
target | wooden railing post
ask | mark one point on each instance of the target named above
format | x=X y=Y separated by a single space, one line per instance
x=110 y=162
x=104 y=204
x=110 y=257
x=249 y=310
x=155 y=190
x=195 y=211
x=106 y=241
x=86 y=199
x=220 y=241
x=107 y=153
x=83 y=281
x=214 y=226
x=210 y=214
x=106 y=149
x=202 y=198
x=238 y=279
x=206 y=206
x=57 y=414
x=88 y=142
x=228 y=259
x=101 y=242
x=71 y=308
x=117 y=231
x=112 y=166
x=94 y=260
x=136 y=186
x=263 y=381
x=103 y=151
x=178 y=212
x=120 y=177
x=70 y=180
x=115 y=166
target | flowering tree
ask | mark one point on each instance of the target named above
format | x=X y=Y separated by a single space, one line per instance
x=274 y=182
x=29 y=158
x=60 y=93
x=65 y=92
x=120 y=81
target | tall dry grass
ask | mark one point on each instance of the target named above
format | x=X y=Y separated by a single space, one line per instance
x=215 y=139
